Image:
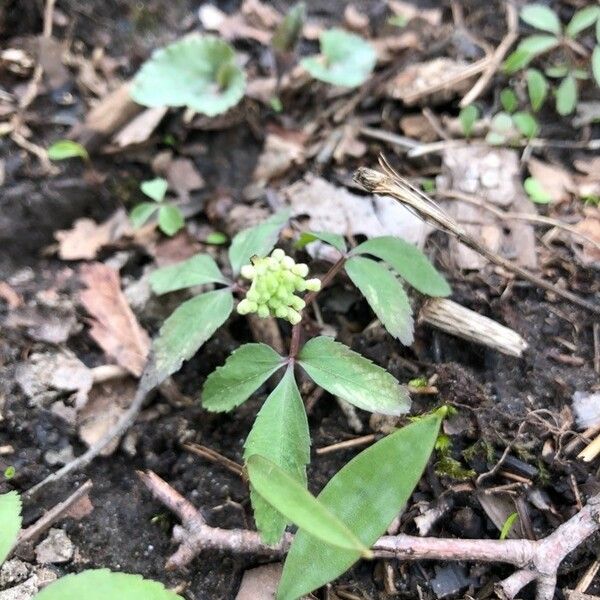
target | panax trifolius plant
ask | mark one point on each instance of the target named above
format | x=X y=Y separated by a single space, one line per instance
x=282 y=288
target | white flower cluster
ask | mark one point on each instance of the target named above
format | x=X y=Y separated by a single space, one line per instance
x=274 y=281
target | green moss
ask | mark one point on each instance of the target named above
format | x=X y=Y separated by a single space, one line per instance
x=450 y=467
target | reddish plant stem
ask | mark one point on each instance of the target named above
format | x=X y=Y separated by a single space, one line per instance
x=333 y=271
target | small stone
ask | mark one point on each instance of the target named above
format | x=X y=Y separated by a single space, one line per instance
x=56 y=548
x=13 y=571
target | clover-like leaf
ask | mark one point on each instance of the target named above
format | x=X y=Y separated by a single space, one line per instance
x=352 y=377
x=409 y=262
x=10 y=522
x=182 y=334
x=537 y=88
x=102 y=584
x=246 y=369
x=293 y=500
x=141 y=213
x=198 y=270
x=582 y=19
x=333 y=239
x=280 y=433
x=170 y=219
x=541 y=17
x=566 y=96
x=199 y=72
x=385 y=296
x=346 y=59
x=366 y=495
x=155 y=188
x=258 y=240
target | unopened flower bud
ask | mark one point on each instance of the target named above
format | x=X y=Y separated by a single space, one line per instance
x=246 y=306
x=300 y=269
x=287 y=262
x=313 y=285
x=278 y=254
x=297 y=303
x=248 y=271
x=293 y=316
x=262 y=311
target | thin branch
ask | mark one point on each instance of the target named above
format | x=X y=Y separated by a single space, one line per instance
x=537 y=560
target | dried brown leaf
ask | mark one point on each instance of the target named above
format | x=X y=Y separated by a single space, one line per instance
x=114 y=327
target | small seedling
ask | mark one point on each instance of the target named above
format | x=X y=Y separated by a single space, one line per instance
x=93 y=584
x=199 y=72
x=170 y=219
x=508 y=525
x=468 y=117
x=9 y=473
x=575 y=61
x=511 y=126
x=536 y=192
x=64 y=149
x=346 y=59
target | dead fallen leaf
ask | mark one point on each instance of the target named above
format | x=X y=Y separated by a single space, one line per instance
x=418 y=128
x=493 y=176
x=281 y=151
x=557 y=181
x=106 y=404
x=114 y=327
x=86 y=237
x=50 y=324
x=356 y=20
x=260 y=14
x=437 y=81
x=183 y=177
x=261 y=583
x=140 y=128
x=387 y=47
x=409 y=11
x=8 y=294
x=590 y=226
x=175 y=249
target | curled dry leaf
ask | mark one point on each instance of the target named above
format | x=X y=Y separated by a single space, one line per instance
x=556 y=180
x=114 y=327
x=408 y=11
x=280 y=153
x=138 y=130
x=590 y=227
x=356 y=20
x=86 y=237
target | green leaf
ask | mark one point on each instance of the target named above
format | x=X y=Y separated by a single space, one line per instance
x=246 y=369
x=598 y=31
x=596 y=64
x=182 y=334
x=366 y=494
x=63 y=149
x=537 y=87
x=102 y=584
x=516 y=60
x=141 y=213
x=280 y=433
x=541 y=17
x=258 y=240
x=556 y=71
x=198 y=270
x=10 y=522
x=199 y=72
x=566 y=96
x=537 y=44
x=347 y=374
x=346 y=59
x=468 y=117
x=409 y=262
x=216 y=238
x=288 y=31
x=385 y=296
x=293 y=500
x=508 y=525
x=582 y=19
x=526 y=124
x=536 y=191
x=170 y=219
x=509 y=100
x=155 y=188
x=333 y=239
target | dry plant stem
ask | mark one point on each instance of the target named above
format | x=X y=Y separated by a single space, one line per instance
x=391 y=184
x=55 y=513
x=512 y=21
x=537 y=560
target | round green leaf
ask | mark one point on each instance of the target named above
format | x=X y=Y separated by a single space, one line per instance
x=141 y=213
x=467 y=117
x=64 y=149
x=517 y=60
x=536 y=44
x=566 y=96
x=197 y=71
x=541 y=17
x=353 y=377
x=536 y=191
x=294 y=501
x=537 y=87
x=170 y=219
x=346 y=59
x=596 y=64
x=102 y=584
x=583 y=19
x=509 y=100
x=526 y=124
x=155 y=188
x=10 y=522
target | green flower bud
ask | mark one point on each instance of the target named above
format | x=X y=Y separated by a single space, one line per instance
x=293 y=316
x=252 y=295
x=282 y=312
x=300 y=269
x=297 y=303
x=273 y=264
x=246 y=306
x=313 y=285
x=278 y=254
x=300 y=284
x=263 y=311
x=287 y=262
x=248 y=271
